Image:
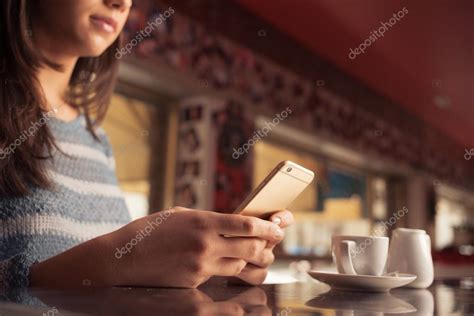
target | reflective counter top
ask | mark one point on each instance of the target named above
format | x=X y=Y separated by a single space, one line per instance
x=455 y=297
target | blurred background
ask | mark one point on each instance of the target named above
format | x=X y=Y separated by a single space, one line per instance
x=384 y=119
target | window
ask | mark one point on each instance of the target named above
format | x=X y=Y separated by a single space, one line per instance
x=128 y=126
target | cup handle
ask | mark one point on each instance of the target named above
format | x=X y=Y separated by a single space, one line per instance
x=347 y=246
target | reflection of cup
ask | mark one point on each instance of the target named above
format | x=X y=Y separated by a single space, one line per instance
x=360 y=303
x=365 y=255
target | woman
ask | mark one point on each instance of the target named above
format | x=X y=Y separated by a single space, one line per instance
x=64 y=222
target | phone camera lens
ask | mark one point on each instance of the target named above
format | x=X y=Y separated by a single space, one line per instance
x=289 y=169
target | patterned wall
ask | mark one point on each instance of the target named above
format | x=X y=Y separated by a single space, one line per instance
x=224 y=65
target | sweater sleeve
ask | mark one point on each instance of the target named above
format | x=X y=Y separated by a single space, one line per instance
x=14 y=282
x=14 y=271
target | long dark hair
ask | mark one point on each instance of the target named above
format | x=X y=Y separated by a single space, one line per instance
x=22 y=102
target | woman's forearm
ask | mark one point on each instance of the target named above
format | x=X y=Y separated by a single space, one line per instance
x=173 y=248
x=89 y=264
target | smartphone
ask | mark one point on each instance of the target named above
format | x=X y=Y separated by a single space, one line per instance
x=277 y=191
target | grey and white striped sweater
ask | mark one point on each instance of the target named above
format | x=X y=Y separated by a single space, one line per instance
x=85 y=202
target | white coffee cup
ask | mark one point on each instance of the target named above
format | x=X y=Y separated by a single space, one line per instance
x=366 y=255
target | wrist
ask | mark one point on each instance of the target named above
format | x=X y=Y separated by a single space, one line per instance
x=88 y=264
x=109 y=266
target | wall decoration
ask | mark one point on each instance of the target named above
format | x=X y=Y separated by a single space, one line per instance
x=192 y=164
x=233 y=174
x=192 y=50
x=186 y=196
x=191 y=140
x=207 y=176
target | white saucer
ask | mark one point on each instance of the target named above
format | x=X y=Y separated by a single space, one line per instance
x=371 y=283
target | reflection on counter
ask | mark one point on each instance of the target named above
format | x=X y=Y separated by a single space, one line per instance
x=216 y=297
x=360 y=303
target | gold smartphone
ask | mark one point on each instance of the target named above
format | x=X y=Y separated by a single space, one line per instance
x=277 y=191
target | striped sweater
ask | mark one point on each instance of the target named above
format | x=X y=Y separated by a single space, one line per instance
x=85 y=202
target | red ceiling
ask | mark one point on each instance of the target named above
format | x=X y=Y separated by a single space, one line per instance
x=428 y=54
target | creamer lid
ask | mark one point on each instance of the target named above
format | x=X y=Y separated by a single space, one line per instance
x=410 y=231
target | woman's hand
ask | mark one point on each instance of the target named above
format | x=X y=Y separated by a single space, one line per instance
x=174 y=248
x=186 y=247
x=255 y=272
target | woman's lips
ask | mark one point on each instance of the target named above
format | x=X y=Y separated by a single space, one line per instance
x=104 y=23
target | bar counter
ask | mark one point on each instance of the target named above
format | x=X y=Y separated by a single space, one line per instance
x=453 y=297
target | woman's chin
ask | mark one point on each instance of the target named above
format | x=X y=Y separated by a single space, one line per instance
x=95 y=49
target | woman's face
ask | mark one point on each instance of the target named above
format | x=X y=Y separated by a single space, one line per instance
x=82 y=28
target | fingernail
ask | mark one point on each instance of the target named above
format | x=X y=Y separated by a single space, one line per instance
x=279 y=232
x=277 y=220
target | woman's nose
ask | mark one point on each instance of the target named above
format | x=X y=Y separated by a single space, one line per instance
x=118 y=4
